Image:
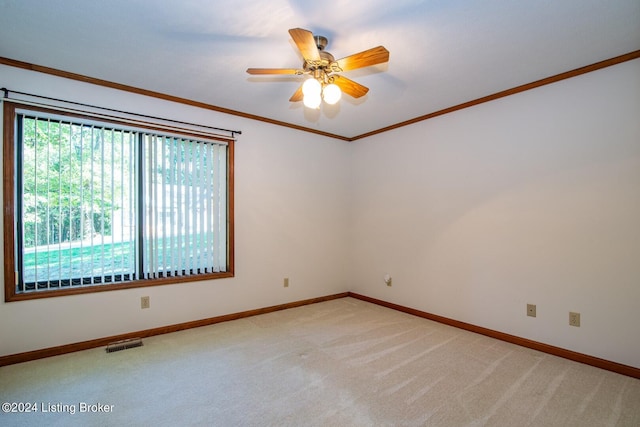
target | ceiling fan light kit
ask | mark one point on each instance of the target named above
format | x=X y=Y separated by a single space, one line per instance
x=314 y=91
x=331 y=93
x=324 y=83
x=312 y=102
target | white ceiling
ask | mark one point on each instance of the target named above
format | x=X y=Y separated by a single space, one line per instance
x=443 y=52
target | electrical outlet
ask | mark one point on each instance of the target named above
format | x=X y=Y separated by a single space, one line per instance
x=574 y=319
x=531 y=310
x=144 y=302
x=286 y=282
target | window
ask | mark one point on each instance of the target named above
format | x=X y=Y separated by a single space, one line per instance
x=94 y=205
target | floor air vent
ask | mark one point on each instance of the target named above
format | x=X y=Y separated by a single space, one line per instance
x=124 y=344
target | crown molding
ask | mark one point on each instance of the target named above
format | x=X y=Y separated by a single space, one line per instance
x=508 y=92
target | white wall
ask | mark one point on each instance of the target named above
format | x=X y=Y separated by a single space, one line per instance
x=290 y=198
x=533 y=198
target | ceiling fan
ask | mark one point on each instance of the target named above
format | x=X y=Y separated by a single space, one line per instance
x=322 y=67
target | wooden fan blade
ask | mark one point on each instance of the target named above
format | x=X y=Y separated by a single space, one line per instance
x=273 y=71
x=306 y=43
x=376 y=55
x=297 y=96
x=350 y=87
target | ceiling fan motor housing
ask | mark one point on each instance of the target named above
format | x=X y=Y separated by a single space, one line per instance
x=326 y=59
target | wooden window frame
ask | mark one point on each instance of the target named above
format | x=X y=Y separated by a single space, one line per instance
x=9 y=194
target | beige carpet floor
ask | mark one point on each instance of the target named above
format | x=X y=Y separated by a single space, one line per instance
x=338 y=363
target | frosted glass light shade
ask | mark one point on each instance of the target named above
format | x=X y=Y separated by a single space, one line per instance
x=311 y=87
x=331 y=94
x=312 y=100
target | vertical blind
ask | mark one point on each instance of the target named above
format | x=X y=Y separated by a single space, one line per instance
x=98 y=204
x=185 y=214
